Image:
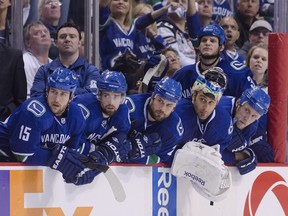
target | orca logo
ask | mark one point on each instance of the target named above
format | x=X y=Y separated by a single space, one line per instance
x=265 y=182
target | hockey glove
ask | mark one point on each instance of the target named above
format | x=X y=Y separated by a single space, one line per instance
x=67 y=162
x=238 y=142
x=145 y=145
x=249 y=163
x=112 y=148
x=151 y=62
x=264 y=152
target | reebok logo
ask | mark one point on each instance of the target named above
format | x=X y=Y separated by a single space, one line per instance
x=194 y=178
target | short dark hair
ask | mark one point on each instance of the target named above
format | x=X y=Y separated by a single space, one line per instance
x=69 y=25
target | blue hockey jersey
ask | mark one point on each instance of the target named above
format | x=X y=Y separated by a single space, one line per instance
x=33 y=129
x=217 y=129
x=113 y=42
x=170 y=129
x=97 y=125
x=229 y=103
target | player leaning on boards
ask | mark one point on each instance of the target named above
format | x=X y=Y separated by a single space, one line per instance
x=203 y=120
x=107 y=122
x=246 y=111
x=152 y=115
x=208 y=131
x=48 y=130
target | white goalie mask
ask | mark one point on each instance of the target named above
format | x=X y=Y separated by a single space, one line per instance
x=212 y=81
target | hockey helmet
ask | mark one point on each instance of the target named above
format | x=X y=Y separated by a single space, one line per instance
x=168 y=89
x=64 y=79
x=112 y=81
x=213 y=30
x=211 y=81
x=257 y=98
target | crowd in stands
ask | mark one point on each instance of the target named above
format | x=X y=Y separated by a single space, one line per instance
x=192 y=71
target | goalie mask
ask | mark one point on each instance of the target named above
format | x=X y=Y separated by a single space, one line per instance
x=258 y=99
x=203 y=167
x=112 y=81
x=212 y=81
x=63 y=79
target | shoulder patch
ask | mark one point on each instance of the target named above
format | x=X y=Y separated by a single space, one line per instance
x=37 y=108
x=130 y=104
x=85 y=111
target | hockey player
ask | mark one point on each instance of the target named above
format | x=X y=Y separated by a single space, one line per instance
x=203 y=120
x=153 y=114
x=211 y=43
x=246 y=111
x=107 y=119
x=47 y=130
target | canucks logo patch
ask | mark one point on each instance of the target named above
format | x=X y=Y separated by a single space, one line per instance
x=37 y=108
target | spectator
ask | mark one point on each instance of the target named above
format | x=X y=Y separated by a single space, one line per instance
x=258 y=33
x=118 y=40
x=222 y=9
x=118 y=33
x=173 y=29
x=49 y=14
x=197 y=19
x=232 y=33
x=257 y=60
x=37 y=43
x=153 y=118
x=166 y=67
x=48 y=130
x=68 y=43
x=173 y=60
x=246 y=111
x=147 y=40
x=13 y=87
x=245 y=15
x=211 y=43
x=107 y=118
x=205 y=11
x=203 y=119
x=5 y=21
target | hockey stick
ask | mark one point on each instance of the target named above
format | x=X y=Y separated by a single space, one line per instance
x=115 y=184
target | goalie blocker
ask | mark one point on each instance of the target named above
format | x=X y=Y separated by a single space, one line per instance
x=203 y=166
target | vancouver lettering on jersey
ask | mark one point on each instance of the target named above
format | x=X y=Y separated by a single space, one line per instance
x=55 y=138
x=123 y=42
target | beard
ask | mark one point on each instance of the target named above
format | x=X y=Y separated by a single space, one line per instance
x=210 y=57
x=156 y=115
x=109 y=110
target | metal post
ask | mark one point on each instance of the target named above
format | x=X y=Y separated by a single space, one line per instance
x=95 y=50
x=87 y=28
x=17 y=24
x=280 y=16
